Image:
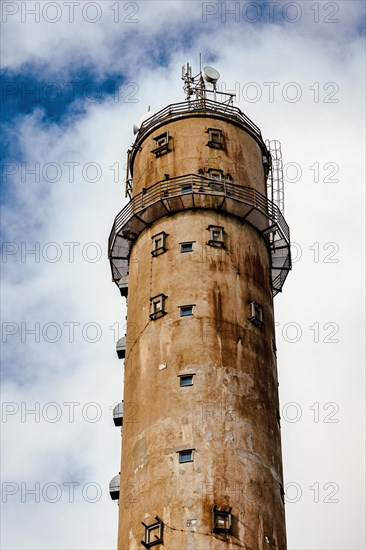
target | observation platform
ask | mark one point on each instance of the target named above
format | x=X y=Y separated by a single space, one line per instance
x=192 y=191
x=198 y=107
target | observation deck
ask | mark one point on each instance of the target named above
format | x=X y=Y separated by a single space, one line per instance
x=193 y=191
x=198 y=107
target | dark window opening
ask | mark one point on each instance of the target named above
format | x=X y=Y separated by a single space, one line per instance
x=185 y=311
x=186 y=379
x=186 y=455
x=186 y=247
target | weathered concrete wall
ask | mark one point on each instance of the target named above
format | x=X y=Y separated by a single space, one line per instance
x=241 y=156
x=229 y=414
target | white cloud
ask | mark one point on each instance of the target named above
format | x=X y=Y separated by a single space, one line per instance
x=82 y=212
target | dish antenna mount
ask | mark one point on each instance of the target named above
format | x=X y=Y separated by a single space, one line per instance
x=204 y=83
x=145 y=116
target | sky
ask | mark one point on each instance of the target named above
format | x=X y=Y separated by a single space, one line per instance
x=75 y=77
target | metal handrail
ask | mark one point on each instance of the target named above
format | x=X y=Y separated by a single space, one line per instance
x=201 y=185
x=198 y=105
x=276 y=231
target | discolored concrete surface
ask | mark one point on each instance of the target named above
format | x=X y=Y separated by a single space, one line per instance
x=229 y=416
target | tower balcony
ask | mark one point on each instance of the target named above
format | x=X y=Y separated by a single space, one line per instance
x=192 y=191
x=198 y=107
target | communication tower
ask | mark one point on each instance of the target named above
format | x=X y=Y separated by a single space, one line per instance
x=199 y=252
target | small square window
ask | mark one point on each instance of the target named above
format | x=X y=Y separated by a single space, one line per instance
x=186 y=379
x=222 y=520
x=216 y=175
x=161 y=144
x=215 y=138
x=157 y=305
x=256 y=314
x=153 y=533
x=159 y=243
x=186 y=247
x=186 y=455
x=185 y=311
x=216 y=235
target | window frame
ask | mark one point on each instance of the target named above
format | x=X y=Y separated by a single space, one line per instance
x=186 y=306
x=157 y=250
x=181 y=451
x=154 y=312
x=212 y=172
x=186 y=243
x=214 y=241
x=256 y=314
x=225 y=515
x=215 y=143
x=147 y=543
x=162 y=148
x=185 y=377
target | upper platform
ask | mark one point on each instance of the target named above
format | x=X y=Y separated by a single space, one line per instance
x=198 y=107
x=198 y=174
x=193 y=192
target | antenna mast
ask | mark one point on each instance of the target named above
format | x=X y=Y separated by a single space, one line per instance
x=205 y=82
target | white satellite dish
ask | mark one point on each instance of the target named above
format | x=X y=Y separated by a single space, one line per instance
x=210 y=74
x=145 y=116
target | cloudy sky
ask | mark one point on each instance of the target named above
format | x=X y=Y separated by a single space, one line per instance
x=76 y=75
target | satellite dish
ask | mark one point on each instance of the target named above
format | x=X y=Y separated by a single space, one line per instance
x=210 y=74
x=145 y=116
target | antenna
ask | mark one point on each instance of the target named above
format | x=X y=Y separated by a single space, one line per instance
x=203 y=83
x=210 y=75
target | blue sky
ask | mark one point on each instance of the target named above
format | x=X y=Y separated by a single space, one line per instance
x=61 y=315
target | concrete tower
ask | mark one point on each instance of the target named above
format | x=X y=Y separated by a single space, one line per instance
x=199 y=252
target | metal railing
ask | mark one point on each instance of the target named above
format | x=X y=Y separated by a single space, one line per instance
x=193 y=191
x=197 y=106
